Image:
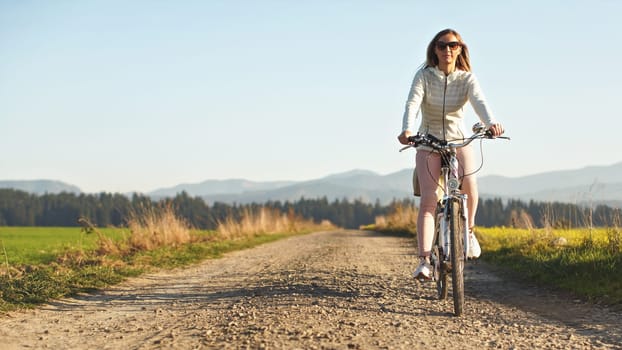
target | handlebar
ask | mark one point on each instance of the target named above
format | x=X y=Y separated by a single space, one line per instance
x=433 y=142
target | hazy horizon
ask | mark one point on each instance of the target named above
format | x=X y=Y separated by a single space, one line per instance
x=166 y=187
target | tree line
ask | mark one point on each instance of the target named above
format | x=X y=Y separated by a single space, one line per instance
x=19 y=208
x=533 y=214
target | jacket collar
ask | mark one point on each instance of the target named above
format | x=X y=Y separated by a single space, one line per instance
x=441 y=75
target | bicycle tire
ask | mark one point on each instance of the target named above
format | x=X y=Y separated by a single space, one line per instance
x=456 y=227
x=440 y=273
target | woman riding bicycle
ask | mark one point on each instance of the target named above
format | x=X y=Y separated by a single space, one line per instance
x=440 y=90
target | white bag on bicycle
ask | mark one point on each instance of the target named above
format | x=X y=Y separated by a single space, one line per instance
x=474 y=249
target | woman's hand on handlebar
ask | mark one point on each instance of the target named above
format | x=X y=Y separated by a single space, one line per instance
x=403 y=137
x=496 y=130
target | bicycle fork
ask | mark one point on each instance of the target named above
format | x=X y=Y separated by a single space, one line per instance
x=443 y=217
x=465 y=215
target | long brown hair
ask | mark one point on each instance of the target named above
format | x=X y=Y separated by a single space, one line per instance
x=462 y=61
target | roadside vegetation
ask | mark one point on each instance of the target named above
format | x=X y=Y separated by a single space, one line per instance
x=41 y=263
x=585 y=261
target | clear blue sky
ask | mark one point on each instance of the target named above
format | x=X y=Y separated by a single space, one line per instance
x=121 y=96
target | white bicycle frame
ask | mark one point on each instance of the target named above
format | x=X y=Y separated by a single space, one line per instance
x=451 y=189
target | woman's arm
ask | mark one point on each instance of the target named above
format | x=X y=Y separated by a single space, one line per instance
x=481 y=107
x=413 y=104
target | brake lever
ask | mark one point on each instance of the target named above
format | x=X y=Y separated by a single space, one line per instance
x=489 y=136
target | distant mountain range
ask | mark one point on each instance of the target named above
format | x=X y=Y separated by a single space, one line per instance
x=357 y=184
x=39 y=186
x=589 y=185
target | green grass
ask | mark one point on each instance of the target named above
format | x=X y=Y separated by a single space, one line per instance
x=42 y=245
x=589 y=264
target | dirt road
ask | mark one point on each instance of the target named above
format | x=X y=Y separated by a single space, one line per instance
x=328 y=290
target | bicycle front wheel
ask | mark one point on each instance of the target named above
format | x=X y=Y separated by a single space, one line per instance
x=440 y=273
x=456 y=227
x=438 y=256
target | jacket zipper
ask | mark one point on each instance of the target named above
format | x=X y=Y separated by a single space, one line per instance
x=444 y=94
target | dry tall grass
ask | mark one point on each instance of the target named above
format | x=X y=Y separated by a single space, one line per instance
x=521 y=219
x=402 y=218
x=264 y=221
x=150 y=227
x=153 y=227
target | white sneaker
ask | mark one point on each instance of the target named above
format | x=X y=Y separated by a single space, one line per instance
x=474 y=249
x=423 y=271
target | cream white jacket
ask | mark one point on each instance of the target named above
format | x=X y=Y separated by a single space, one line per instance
x=441 y=100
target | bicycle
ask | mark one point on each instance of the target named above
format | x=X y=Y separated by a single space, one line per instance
x=451 y=235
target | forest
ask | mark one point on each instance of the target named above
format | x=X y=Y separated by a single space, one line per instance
x=19 y=208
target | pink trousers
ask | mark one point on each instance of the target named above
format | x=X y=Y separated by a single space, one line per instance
x=428 y=172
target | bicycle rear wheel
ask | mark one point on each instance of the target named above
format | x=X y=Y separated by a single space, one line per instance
x=456 y=227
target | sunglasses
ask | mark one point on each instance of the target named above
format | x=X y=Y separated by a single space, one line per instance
x=453 y=45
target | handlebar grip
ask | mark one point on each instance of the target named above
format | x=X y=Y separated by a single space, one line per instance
x=416 y=139
x=489 y=135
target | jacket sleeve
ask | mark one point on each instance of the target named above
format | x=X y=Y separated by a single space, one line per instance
x=478 y=101
x=413 y=104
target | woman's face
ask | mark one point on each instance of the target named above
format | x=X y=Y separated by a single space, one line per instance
x=447 y=49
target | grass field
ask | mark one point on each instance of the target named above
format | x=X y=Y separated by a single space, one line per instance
x=42 y=245
x=586 y=262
